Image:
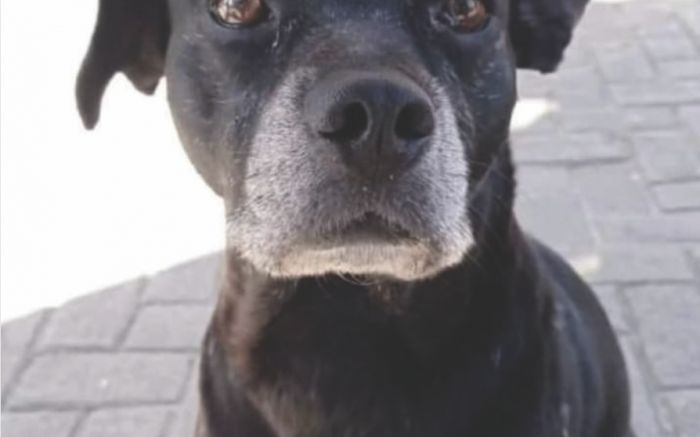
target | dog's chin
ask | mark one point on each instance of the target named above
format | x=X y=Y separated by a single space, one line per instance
x=402 y=261
x=363 y=251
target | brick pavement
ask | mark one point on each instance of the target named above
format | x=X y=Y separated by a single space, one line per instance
x=609 y=175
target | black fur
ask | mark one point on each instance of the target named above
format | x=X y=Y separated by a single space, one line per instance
x=542 y=29
x=508 y=343
x=131 y=37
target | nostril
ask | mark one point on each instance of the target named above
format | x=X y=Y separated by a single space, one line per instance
x=415 y=121
x=349 y=123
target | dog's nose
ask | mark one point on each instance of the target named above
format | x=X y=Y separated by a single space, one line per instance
x=380 y=123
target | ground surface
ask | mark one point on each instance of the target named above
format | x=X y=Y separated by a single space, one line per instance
x=610 y=175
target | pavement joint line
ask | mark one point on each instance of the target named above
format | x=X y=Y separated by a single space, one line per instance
x=169 y=425
x=140 y=291
x=28 y=354
x=63 y=406
x=651 y=388
x=694 y=264
x=79 y=423
x=193 y=363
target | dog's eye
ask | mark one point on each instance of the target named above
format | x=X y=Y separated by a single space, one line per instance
x=235 y=13
x=465 y=15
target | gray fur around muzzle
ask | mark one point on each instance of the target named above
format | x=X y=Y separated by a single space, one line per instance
x=310 y=210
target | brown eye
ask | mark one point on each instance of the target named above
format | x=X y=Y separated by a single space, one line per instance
x=234 y=13
x=466 y=15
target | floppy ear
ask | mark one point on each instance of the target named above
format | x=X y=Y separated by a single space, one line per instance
x=540 y=31
x=131 y=36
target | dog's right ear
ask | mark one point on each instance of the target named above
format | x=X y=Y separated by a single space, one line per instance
x=131 y=36
x=540 y=31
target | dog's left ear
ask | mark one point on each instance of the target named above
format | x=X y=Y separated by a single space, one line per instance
x=131 y=36
x=540 y=31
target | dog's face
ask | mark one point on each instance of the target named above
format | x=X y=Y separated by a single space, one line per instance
x=342 y=135
x=339 y=132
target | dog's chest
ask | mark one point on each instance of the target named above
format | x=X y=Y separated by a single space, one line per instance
x=339 y=364
x=375 y=383
x=337 y=376
x=293 y=412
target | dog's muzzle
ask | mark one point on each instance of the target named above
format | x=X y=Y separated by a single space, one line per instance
x=359 y=172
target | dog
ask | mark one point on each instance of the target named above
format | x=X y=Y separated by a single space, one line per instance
x=377 y=281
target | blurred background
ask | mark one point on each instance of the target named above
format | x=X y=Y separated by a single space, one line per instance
x=110 y=242
x=82 y=210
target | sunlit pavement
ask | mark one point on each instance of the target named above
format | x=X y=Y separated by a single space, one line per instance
x=610 y=175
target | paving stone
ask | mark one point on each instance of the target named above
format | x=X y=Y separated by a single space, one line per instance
x=668 y=155
x=681 y=69
x=685 y=406
x=567 y=148
x=532 y=84
x=131 y=422
x=39 y=424
x=691 y=17
x=660 y=24
x=570 y=99
x=590 y=29
x=610 y=298
x=610 y=190
x=667 y=318
x=195 y=281
x=11 y=367
x=17 y=334
x=624 y=62
x=579 y=54
x=548 y=209
x=585 y=76
x=16 y=338
x=170 y=327
x=656 y=93
x=691 y=115
x=682 y=195
x=94 y=321
x=186 y=417
x=680 y=227
x=638 y=264
x=581 y=86
x=558 y=221
x=591 y=119
x=695 y=254
x=649 y=117
x=536 y=181
x=97 y=379
x=644 y=420
x=670 y=47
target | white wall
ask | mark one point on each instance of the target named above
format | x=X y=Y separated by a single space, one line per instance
x=82 y=210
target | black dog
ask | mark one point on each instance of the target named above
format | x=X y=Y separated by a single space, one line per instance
x=377 y=281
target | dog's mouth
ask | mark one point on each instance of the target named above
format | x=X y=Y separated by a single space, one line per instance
x=368 y=228
x=368 y=243
x=373 y=224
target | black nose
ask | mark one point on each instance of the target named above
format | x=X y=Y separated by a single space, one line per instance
x=380 y=122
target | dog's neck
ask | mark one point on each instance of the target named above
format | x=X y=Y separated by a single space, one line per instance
x=251 y=300
x=295 y=345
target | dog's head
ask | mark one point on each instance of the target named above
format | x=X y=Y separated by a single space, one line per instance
x=343 y=135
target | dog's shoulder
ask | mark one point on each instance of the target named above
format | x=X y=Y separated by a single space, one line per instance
x=591 y=363
x=225 y=408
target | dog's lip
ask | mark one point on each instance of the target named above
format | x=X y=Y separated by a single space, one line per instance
x=367 y=228
x=372 y=223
